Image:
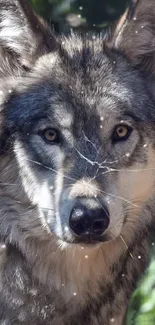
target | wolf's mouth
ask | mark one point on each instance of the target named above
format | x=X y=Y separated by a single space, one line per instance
x=90 y=239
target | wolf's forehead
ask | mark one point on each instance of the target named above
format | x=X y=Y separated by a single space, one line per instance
x=63 y=116
x=75 y=44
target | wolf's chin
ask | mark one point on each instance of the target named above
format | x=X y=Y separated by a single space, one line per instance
x=64 y=243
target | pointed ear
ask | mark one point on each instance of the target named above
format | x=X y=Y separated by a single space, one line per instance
x=134 y=35
x=23 y=36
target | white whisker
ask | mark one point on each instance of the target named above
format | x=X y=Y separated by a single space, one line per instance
x=50 y=168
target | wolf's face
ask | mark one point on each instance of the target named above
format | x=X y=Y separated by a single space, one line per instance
x=80 y=136
x=76 y=133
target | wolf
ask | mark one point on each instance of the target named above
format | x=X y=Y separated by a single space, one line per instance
x=77 y=167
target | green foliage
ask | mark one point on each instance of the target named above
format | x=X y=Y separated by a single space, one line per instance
x=142 y=306
x=95 y=14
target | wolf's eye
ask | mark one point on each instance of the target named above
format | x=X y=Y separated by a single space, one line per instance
x=50 y=135
x=121 y=133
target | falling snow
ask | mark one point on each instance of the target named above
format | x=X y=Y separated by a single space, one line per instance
x=2 y=246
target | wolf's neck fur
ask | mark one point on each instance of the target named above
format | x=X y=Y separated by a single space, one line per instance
x=108 y=274
x=79 y=270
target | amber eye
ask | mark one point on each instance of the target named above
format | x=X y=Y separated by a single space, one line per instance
x=50 y=135
x=121 y=133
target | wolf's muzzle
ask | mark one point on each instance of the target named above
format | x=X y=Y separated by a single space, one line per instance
x=89 y=224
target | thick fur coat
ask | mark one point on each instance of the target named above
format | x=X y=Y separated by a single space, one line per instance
x=76 y=123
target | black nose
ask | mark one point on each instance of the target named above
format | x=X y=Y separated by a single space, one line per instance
x=89 y=222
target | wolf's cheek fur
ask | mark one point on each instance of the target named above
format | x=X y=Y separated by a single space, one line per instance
x=137 y=184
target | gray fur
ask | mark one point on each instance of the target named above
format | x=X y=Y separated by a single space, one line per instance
x=83 y=87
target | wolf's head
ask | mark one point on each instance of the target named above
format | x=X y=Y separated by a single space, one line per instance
x=77 y=129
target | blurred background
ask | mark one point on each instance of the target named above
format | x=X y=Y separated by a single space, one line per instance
x=79 y=14
x=95 y=15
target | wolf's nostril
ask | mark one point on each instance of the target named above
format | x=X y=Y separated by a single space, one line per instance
x=84 y=221
x=76 y=221
x=99 y=226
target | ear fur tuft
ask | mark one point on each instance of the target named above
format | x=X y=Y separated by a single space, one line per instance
x=24 y=37
x=134 y=35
